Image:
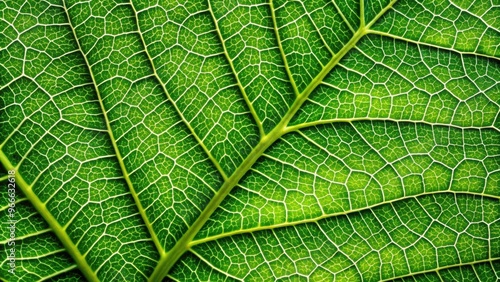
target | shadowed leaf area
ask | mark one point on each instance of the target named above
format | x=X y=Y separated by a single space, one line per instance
x=249 y=140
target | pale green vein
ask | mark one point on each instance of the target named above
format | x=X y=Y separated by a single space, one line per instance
x=305 y=125
x=16 y=202
x=324 y=216
x=437 y=269
x=421 y=43
x=343 y=16
x=361 y=13
x=179 y=112
x=33 y=146
x=2 y=179
x=57 y=273
x=167 y=261
x=280 y=46
x=213 y=266
x=14 y=130
x=318 y=31
x=26 y=236
x=381 y=156
x=186 y=242
x=134 y=194
x=172 y=278
x=52 y=222
x=382 y=12
x=42 y=255
x=233 y=69
x=319 y=78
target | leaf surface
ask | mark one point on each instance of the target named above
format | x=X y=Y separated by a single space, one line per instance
x=251 y=140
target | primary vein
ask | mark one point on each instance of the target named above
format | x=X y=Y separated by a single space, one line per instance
x=167 y=94
x=169 y=259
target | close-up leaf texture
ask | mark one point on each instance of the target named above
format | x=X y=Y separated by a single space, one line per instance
x=250 y=140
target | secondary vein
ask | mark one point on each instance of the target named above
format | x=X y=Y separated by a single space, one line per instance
x=125 y=173
x=324 y=216
x=233 y=69
x=178 y=111
x=280 y=46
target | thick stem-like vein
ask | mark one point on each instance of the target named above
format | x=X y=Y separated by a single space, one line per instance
x=437 y=269
x=319 y=78
x=68 y=244
x=55 y=274
x=168 y=260
x=2 y=179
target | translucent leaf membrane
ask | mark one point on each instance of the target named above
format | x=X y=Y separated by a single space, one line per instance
x=53 y=133
x=402 y=238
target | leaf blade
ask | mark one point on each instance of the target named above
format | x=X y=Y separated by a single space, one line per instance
x=189 y=91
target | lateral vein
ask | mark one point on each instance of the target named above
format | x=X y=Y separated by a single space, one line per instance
x=389 y=35
x=238 y=82
x=324 y=216
x=179 y=112
x=125 y=173
x=68 y=244
x=305 y=125
x=490 y=260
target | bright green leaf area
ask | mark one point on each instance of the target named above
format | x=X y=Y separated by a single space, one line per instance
x=249 y=140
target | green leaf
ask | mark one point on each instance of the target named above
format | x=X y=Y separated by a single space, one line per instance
x=250 y=140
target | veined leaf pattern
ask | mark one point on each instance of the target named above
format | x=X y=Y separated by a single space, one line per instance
x=248 y=140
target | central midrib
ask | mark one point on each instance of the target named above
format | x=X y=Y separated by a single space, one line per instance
x=169 y=259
